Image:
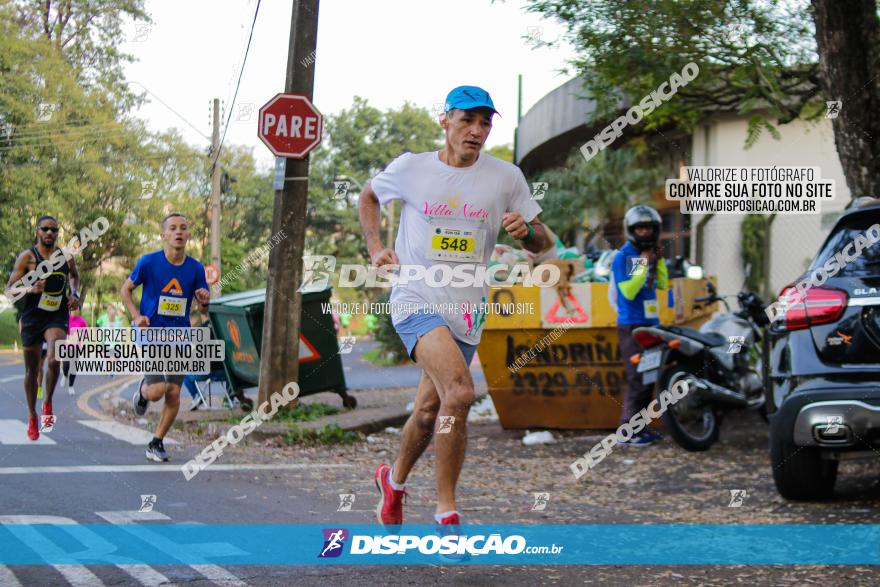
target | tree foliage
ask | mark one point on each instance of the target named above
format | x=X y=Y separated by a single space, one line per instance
x=754 y=56
x=67 y=147
x=360 y=141
x=70 y=147
x=771 y=61
x=503 y=152
x=606 y=184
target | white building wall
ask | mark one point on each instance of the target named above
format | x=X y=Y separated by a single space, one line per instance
x=795 y=238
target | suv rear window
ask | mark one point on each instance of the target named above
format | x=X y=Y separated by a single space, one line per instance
x=868 y=263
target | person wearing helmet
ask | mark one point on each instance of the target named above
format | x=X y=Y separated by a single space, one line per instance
x=638 y=271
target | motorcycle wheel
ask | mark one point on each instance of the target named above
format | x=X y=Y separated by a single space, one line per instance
x=692 y=422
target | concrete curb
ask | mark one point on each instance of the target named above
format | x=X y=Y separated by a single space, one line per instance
x=360 y=420
x=371 y=424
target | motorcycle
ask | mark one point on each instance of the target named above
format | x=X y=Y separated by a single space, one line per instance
x=720 y=362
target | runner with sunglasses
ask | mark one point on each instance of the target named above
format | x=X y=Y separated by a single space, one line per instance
x=43 y=317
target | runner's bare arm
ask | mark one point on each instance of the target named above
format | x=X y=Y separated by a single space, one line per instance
x=22 y=263
x=368 y=210
x=128 y=301
x=203 y=297
x=73 y=303
x=517 y=228
x=19 y=269
x=540 y=241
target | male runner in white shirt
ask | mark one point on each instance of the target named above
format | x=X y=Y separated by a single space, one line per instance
x=455 y=201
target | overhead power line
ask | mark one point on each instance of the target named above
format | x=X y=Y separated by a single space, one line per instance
x=175 y=112
x=238 y=84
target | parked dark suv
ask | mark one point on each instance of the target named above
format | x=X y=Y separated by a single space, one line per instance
x=823 y=377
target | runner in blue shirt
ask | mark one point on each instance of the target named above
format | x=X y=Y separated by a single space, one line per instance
x=170 y=280
x=638 y=271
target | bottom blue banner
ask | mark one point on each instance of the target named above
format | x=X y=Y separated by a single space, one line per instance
x=660 y=544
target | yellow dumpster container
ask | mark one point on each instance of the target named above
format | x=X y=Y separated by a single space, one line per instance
x=575 y=379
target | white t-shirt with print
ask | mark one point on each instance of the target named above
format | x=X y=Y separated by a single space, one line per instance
x=439 y=200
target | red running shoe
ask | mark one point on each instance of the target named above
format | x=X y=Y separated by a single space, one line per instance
x=451 y=519
x=33 y=432
x=449 y=526
x=390 y=508
x=47 y=421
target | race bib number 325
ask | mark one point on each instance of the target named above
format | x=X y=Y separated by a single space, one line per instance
x=171 y=306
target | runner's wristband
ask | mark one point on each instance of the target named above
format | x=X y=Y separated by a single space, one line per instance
x=531 y=234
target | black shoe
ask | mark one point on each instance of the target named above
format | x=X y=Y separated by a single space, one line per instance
x=139 y=404
x=156 y=452
x=643 y=438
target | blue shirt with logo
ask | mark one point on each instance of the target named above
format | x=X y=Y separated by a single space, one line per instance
x=631 y=310
x=164 y=282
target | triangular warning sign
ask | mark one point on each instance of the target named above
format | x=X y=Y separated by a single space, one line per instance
x=553 y=315
x=306 y=351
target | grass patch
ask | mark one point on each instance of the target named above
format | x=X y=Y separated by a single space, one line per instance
x=379 y=358
x=302 y=413
x=8 y=328
x=329 y=434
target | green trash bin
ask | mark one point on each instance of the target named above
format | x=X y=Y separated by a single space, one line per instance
x=237 y=319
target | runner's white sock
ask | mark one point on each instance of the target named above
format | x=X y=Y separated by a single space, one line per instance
x=439 y=517
x=391 y=482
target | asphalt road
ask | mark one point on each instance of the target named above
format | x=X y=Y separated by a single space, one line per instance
x=98 y=476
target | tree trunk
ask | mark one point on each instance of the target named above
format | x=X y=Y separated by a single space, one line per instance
x=848 y=39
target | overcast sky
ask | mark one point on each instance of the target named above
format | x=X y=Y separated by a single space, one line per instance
x=388 y=51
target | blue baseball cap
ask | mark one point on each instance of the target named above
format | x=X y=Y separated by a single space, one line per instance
x=468 y=97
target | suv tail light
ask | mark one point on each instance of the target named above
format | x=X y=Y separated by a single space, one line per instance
x=819 y=305
x=647 y=339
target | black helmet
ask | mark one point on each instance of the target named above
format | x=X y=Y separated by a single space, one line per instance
x=642 y=215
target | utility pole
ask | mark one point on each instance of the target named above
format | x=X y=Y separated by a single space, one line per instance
x=279 y=356
x=215 y=189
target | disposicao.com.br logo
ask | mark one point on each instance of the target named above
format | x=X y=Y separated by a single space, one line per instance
x=334 y=540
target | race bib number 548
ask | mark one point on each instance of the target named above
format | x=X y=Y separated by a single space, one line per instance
x=456 y=242
x=451 y=243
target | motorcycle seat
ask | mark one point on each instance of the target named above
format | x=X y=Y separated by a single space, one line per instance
x=710 y=339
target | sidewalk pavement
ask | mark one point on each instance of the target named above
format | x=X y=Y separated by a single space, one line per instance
x=377 y=410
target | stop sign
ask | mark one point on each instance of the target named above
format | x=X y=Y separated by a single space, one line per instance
x=290 y=125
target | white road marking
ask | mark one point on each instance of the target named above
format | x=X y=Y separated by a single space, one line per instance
x=36 y=520
x=123 y=432
x=145 y=574
x=128 y=516
x=8 y=578
x=13 y=378
x=22 y=528
x=219 y=575
x=212 y=572
x=15 y=432
x=169 y=468
x=79 y=575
